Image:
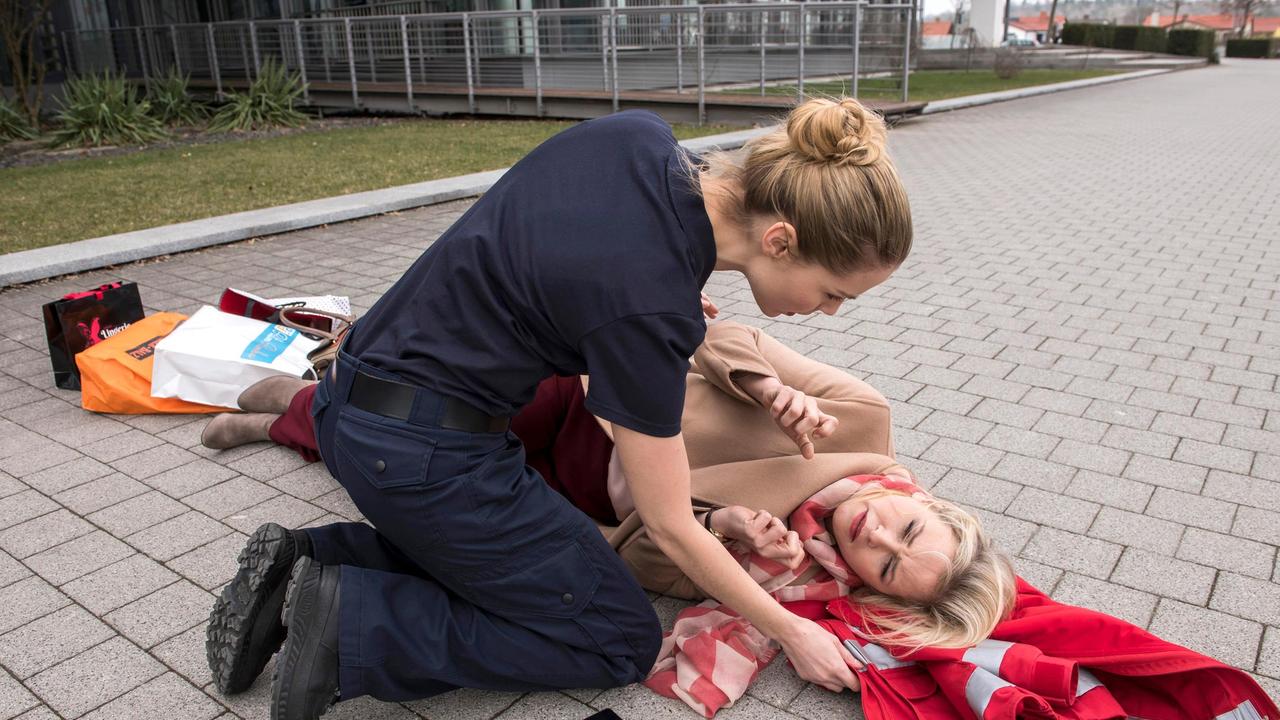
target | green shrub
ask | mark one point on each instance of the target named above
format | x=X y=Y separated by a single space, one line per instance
x=171 y=102
x=1126 y=37
x=1139 y=37
x=1251 y=47
x=104 y=110
x=1152 y=39
x=1089 y=34
x=268 y=103
x=1196 y=43
x=13 y=122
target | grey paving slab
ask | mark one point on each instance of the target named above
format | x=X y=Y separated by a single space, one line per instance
x=94 y=677
x=27 y=600
x=1081 y=350
x=168 y=696
x=1225 y=637
x=51 y=639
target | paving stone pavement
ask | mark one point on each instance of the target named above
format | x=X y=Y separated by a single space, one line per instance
x=1083 y=349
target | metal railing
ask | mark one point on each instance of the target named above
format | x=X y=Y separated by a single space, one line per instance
x=852 y=48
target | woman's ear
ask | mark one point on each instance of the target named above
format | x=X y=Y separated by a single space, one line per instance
x=779 y=241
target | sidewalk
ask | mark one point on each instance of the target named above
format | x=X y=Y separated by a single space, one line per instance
x=1083 y=348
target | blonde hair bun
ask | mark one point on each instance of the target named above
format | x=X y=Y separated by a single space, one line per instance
x=836 y=131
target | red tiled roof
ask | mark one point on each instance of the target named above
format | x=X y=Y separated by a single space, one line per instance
x=1223 y=21
x=937 y=27
x=1266 y=25
x=1039 y=23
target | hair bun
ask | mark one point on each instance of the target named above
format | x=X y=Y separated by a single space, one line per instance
x=834 y=131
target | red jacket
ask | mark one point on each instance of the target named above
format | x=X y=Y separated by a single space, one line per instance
x=1048 y=660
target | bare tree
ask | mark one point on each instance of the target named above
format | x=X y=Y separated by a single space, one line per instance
x=1241 y=11
x=1049 y=34
x=20 y=22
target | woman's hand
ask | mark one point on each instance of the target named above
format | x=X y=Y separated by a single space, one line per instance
x=819 y=658
x=762 y=532
x=709 y=308
x=798 y=416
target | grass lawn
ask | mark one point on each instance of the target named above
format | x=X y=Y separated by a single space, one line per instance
x=928 y=85
x=77 y=199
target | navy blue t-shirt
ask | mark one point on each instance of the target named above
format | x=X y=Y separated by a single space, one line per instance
x=587 y=257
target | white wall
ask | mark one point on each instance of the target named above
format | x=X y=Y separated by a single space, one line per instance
x=987 y=19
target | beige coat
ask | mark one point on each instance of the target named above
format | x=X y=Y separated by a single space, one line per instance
x=738 y=456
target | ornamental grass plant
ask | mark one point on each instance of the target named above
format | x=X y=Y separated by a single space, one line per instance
x=13 y=123
x=104 y=109
x=171 y=101
x=268 y=103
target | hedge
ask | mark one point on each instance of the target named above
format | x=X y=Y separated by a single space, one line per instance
x=1120 y=37
x=1251 y=47
x=1152 y=39
x=1140 y=37
x=1197 y=43
x=1091 y=34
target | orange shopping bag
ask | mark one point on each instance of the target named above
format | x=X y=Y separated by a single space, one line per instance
x=115 y=374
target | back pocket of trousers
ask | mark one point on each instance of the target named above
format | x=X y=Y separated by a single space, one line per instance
x=384 y=455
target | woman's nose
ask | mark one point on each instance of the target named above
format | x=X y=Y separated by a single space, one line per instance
x=881 y=537
x=875 y=538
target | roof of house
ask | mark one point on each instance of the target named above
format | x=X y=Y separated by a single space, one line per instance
x=1265 y=25
x=1221 y=21
x=1039 y=23
x=937 y=27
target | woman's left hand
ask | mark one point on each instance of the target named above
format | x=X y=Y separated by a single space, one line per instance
x=709 y=308
x=798 y=416
x=765 y=534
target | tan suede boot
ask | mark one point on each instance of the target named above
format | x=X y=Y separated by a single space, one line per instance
x=234 y=429
x=272 y=395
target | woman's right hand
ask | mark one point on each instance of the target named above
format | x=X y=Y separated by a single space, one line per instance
x=819 y=658
x=765 y=534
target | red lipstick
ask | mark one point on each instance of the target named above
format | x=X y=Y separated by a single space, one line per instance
x=858 y=522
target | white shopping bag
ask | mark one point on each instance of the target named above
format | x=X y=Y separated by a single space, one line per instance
x=340 y=304
x=214 y=356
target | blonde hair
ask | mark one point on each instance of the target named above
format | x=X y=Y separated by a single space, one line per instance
x=827 y=172
x=974 y=593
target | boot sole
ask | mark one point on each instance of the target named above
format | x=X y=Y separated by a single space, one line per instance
x=303 y=598
x=230 y=632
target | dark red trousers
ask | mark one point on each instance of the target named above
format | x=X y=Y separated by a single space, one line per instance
x=562 y=441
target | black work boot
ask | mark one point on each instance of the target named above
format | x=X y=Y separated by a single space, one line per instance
x=306 y=679
x=244 y=628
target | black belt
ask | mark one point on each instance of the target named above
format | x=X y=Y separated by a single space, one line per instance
x=395 y=400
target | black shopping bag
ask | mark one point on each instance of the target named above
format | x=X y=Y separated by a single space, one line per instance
x=79 y=320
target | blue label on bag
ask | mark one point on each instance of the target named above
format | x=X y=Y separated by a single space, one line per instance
x=270 y=344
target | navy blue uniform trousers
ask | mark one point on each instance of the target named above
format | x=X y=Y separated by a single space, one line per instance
x=475 y=572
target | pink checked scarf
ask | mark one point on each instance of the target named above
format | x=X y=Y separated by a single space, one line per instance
x=712 y=654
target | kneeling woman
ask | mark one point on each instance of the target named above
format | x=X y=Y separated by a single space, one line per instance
x=586 y=257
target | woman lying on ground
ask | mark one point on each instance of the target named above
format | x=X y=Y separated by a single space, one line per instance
x=926 y=556
x=876 y=560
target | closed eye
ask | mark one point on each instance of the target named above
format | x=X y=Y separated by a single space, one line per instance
x=909 y=534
